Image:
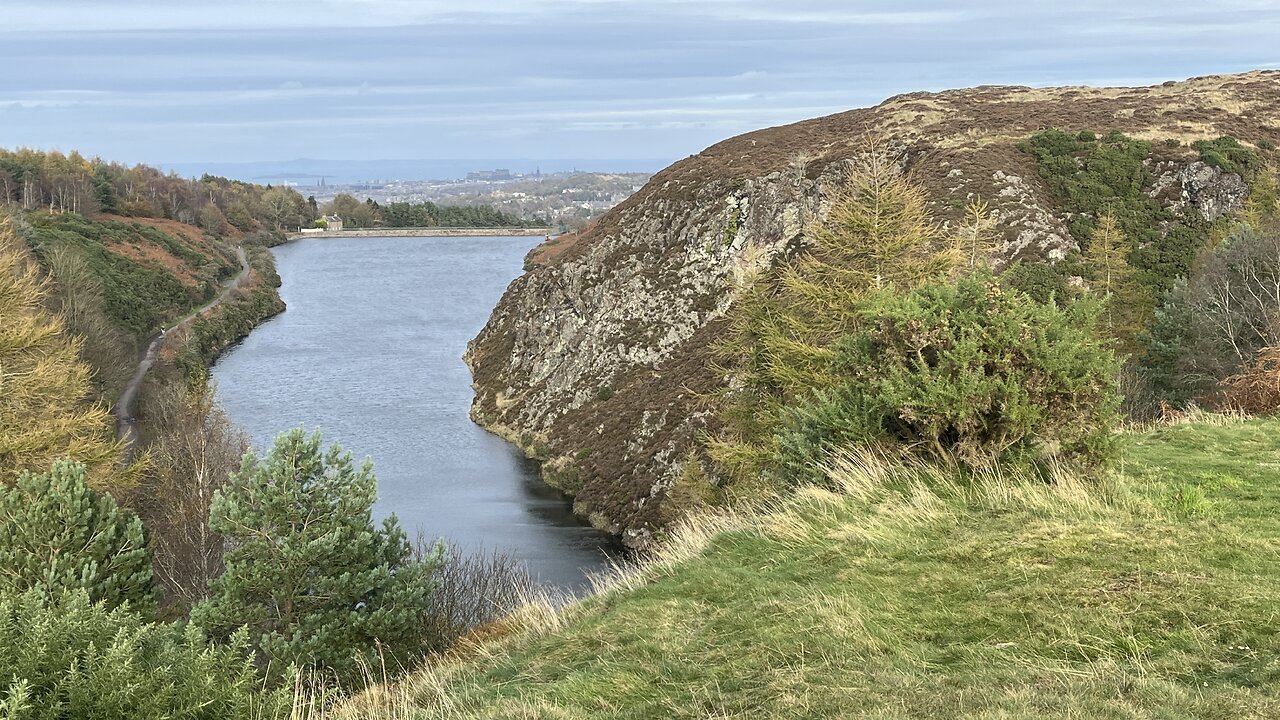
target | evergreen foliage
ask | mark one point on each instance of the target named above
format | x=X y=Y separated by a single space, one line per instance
x=879 y=235
x=969 y=372
x=307 y=572
x=1227 y=154
x=369 y=214
x=866 y=339
x=58 y=535
x=1214 y=323
x=73 y=658
x=1039 y=281
x=44 y=387
x=1092 y=178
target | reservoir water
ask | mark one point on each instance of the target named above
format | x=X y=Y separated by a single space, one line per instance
x=370 y=352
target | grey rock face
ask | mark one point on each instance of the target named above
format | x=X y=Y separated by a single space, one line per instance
x=594 y=361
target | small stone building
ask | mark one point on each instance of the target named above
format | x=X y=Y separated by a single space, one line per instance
x=334 y=222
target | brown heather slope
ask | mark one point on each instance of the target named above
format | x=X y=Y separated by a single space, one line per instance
x=596 y=358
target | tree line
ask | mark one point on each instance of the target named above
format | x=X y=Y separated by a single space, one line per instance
x=370 y=214
x=60 y=183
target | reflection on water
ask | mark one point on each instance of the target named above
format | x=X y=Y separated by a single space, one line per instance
x=370 y=352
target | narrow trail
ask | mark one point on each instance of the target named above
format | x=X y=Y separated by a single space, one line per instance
x=126 y=423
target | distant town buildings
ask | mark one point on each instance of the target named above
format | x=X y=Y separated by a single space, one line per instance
x=499 y=175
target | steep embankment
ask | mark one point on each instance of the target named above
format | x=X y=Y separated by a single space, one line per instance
x=126 y=423
x=917 y=595
x=597 y=359
x=118 y=281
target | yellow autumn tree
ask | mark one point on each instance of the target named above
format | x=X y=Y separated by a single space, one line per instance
x=45 y=409
x=1124 y=308
x=975 y=240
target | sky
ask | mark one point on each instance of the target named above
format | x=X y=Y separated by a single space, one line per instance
x=160 y=81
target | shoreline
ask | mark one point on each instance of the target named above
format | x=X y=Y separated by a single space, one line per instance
x=423 y=232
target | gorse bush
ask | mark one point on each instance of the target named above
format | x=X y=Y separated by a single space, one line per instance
x=879 y=235
x=868 y=339
x=316 y=584
x=73 y=658
x=57 y=535
x=970 y=372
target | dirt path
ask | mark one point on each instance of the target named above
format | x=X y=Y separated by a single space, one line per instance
x=126 y=423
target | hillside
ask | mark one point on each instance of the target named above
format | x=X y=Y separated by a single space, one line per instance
x=598 y=360
x=909 y=593
x=128 y=250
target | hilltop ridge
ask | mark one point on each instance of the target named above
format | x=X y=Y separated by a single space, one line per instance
x=639 y=296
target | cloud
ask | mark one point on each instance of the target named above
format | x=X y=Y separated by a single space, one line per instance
x=142 y=80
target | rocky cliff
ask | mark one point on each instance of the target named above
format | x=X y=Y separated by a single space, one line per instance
x=597 y=359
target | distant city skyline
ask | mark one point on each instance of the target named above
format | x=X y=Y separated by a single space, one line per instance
x=238 y=81
x=307 y=172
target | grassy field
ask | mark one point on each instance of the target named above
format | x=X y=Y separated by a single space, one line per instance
x=1153 y=594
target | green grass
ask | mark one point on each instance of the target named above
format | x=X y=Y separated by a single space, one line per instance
x=1155 y=593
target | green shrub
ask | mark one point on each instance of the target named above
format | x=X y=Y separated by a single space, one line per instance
x=307 y=572
x=75 y=659
x=1228 y=155
x=969 y=372
x=1090 y=179
x=878 y=236
x=57 y=534
x=1042 y=282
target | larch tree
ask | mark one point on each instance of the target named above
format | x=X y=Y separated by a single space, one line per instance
x=1114 y=282
x=879 y=234
x=45 y=388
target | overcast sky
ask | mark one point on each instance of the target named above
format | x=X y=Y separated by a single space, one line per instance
x=166 y=81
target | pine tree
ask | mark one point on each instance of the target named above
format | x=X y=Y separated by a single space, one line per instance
x=45 y=414
x=57 y=534
x=306 y=570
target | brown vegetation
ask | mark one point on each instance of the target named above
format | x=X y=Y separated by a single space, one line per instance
x=1255 y=390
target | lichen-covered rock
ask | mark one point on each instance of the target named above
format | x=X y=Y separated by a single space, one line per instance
x=599 y=359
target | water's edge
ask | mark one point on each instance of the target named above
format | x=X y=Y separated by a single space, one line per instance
x=370 y=351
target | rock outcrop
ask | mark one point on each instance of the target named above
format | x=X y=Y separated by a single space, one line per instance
x=598 y=359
